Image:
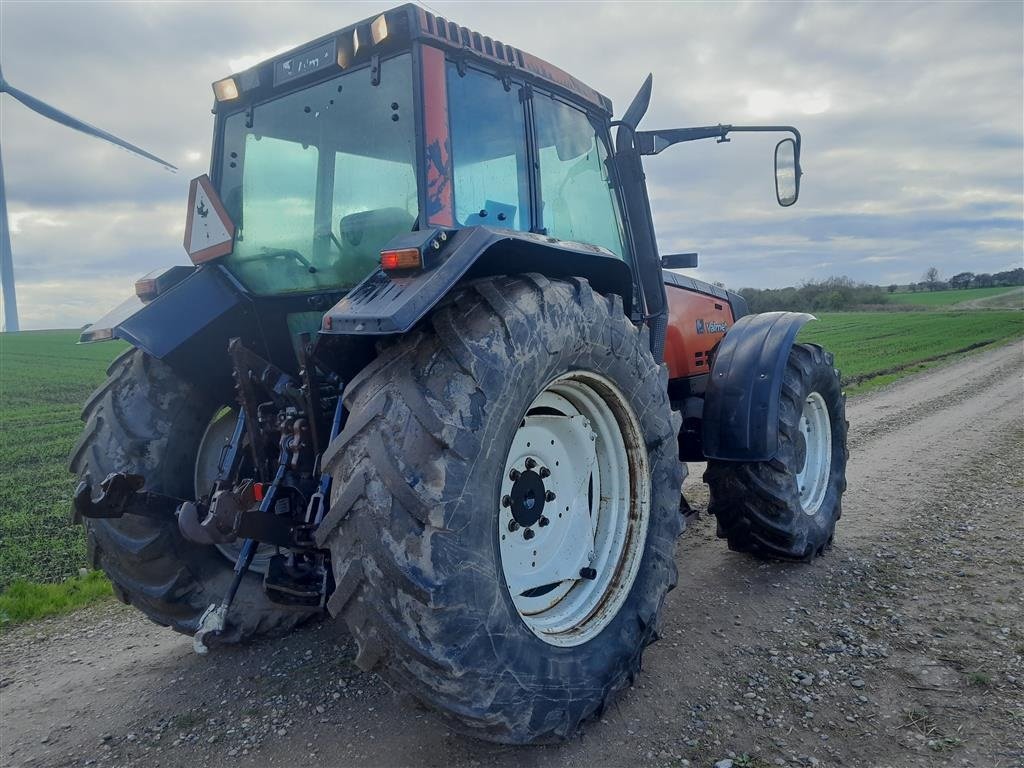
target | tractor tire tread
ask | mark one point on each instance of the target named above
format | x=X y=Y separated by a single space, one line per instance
x=756 y=504
x=141 y=420
x=403 y=436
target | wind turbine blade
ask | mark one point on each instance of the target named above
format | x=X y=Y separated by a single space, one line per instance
x=64 y=118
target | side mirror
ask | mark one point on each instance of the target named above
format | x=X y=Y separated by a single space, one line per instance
x=679 y=261
x=787 y=173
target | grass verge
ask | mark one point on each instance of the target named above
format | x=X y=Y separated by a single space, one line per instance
x=27 y=601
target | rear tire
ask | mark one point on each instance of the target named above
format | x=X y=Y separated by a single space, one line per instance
x=759 y=505
x=418 y=508
x=147 y=420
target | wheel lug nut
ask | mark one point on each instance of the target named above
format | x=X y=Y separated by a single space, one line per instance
x=513 y=475
x=528 y=534
x=545 y=472
x=513 y=526
x=588 y=573
x=549 y=496
x=506 y=501
x=543 y=521
x=531 y=463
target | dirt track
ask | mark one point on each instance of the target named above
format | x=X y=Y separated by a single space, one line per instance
x=903 y=647
x=1012 y=299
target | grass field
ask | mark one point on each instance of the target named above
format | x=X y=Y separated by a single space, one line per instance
x=875 y=348
x=45 y=378
x=929 y=299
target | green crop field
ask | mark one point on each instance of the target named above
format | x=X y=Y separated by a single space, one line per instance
x=45 y=378
x=928 y=299
x=874 y=348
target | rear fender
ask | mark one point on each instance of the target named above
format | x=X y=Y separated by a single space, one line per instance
x=186 y=326
x=741 y=405
x=391 y=302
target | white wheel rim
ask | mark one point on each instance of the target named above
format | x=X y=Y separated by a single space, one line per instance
x=812 y=479
x=580 y=447
x=216 y=437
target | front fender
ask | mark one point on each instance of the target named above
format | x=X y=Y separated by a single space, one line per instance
x=741 y=404
x=390 y=303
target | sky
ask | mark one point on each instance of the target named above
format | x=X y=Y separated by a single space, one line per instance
x=912 y=117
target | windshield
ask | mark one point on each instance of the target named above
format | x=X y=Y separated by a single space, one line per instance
x=319 y=180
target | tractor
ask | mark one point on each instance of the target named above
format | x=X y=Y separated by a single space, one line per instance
x=429 y=375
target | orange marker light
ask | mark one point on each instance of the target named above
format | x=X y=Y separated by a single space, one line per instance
x=404 y=258
x=146 y=289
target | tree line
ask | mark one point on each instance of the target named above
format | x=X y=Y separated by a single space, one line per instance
x=836 y=294
x=932 y=280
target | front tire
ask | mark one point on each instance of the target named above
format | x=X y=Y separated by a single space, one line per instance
x=422 y=472
x=787 y=508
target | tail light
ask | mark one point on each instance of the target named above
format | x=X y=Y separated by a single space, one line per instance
x=402 y=258
x=420 y=249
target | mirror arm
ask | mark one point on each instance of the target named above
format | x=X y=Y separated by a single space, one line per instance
x=653 y=142
x=772 y=129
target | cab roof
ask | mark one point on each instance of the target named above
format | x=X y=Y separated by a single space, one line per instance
x=452 y=36
x=397 y=28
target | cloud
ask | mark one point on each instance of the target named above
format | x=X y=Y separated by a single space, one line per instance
x=71 y=297
x=772 y=103
x=19 y=220
x=245 y=61
x=912 y=118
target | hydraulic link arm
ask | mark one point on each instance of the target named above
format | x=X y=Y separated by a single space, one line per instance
x=120 y=494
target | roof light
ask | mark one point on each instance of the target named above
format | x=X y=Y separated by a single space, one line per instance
x=226 y=89
x=403 y=258
x=379 y=29
x=355 y=42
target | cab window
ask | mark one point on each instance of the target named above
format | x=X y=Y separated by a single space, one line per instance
x=488 y=151
x=318 y=180
x=578 y=201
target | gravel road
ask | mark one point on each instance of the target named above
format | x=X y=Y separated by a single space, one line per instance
x=903 y=647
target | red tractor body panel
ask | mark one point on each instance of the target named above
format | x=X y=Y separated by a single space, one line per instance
x=696 y=323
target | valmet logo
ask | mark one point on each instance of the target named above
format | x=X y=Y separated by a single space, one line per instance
x=713 y=326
